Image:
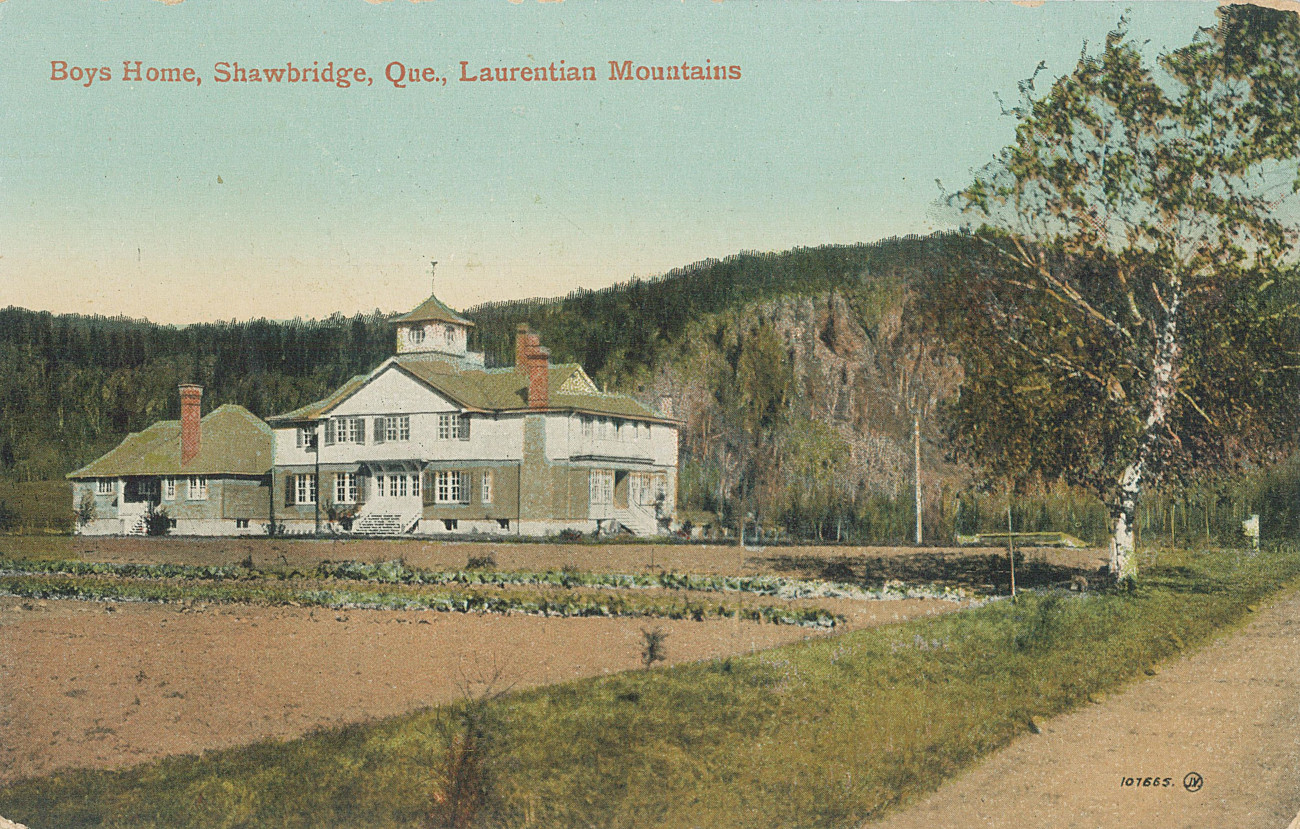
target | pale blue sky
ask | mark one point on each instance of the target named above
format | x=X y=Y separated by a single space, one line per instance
x=335 y=200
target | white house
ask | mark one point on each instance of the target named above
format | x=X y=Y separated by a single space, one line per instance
x=432 y=442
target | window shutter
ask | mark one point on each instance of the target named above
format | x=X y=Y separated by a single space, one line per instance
x=427 y=492
x=359 y=429
x=291 y=488
x=298 y=431
x=464 y=488
x=380 y=427
x=464 y=427
x=362 y=480
x=329 y=432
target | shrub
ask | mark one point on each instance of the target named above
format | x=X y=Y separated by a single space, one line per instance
x=157 y=521
x=487 y=562
x=85 y=511
x=461 y=788
x=569 y=535
x=652 y=648
x=8 y=517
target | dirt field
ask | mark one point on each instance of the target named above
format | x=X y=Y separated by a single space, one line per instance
x=83 y=685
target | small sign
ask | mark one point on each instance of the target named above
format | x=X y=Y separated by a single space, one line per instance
x=1251 y=528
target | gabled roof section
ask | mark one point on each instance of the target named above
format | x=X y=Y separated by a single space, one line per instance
x=505 y=389
x=233 y=441
x=486 y=390
x=312 y=411
x=433 y=310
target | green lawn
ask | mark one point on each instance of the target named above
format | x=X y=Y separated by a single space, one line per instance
x=824 y=733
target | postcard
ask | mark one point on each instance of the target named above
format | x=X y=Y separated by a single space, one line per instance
x=575 y=413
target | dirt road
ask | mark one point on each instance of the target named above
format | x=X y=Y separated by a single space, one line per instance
x=1229 y=714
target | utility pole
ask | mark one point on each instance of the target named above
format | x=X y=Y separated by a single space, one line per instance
x=916 y=446
x=315 y=448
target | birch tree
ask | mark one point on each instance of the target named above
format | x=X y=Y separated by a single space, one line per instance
x=1137 y=312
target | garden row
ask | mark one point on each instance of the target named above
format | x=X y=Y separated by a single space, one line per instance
x=99 y=587
x=397 y=572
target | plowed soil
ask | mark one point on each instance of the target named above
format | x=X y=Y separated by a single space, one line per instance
x=89 y=684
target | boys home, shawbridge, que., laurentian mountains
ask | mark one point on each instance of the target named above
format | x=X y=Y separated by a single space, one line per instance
x=430 y=441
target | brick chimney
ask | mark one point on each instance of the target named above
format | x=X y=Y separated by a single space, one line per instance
x=191 y=410
x=539 y=377
x=534 y=361
x=525 y=341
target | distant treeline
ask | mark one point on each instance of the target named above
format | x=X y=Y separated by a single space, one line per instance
x=72 y=386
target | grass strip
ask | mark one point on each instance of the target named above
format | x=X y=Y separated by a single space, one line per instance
x=826 y=733
x=99 y=588
x=397 y=572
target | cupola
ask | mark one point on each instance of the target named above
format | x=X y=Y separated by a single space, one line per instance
x=433 y=328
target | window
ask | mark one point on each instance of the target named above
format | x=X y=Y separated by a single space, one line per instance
x=416 y=335
x=105 y=486
x=241 y=523
x=485 y=494
x=397 y=428
x=415 y=485
x=503 y=523
x=345 y=430
x=381 y=486
x=307 y=437
x=586 y=427
x=198 y=488
x=306 y=486
x=602 y=486
x=452 y=426
x=345 y=488
x=648 y=488
x=449 y=524
x=449 y=334
x=169 y=489
x=451 y=487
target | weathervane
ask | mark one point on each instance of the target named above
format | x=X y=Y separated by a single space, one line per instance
x=433 y=266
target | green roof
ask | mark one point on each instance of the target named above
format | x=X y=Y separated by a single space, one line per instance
x=314 y=410
x=505 y=389
x=490 y=390
x=433 y=309
x=232 y=441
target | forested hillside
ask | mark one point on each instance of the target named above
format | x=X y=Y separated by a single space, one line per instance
x=72 y=386
x=798 y=375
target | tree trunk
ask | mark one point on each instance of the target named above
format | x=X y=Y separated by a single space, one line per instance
x=1164 y=383
x=916 y=445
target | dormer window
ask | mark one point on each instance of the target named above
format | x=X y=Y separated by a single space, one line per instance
x=416 y=335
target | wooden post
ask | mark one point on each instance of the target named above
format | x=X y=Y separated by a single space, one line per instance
x=1011 y=545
